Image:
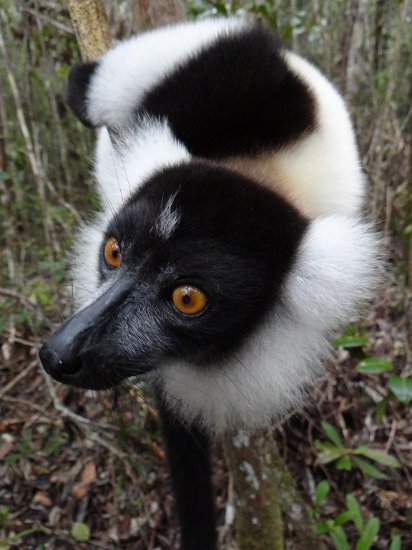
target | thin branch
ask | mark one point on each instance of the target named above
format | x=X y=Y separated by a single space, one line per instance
x=27 y=302
x=60 y=26
x=17 y=379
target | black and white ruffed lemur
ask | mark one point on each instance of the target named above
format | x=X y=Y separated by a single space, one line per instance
x=230 y=243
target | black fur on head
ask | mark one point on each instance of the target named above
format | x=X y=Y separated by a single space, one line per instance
x=195 y=224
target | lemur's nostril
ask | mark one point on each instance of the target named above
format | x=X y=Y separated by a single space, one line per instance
x=55 y=364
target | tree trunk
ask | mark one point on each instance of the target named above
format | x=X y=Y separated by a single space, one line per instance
x=258 y=516
x=92 y=27
x=264 y=490
x=354 y=60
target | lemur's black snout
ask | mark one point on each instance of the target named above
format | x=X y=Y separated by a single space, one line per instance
x=71 y=350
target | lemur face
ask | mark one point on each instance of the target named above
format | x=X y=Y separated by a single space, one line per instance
x=189 y=266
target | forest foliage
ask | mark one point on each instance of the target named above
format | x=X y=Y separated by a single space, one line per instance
x=350 y=452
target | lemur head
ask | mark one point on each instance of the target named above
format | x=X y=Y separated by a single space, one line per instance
x=189 y=266
x=215 y=288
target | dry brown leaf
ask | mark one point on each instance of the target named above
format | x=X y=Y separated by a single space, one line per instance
x=89 y=473
x=80 y=491
x=158 y=451
x=43 y=498
x=5 y=449
x=10 y=424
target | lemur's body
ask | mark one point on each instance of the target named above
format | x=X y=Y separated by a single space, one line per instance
x=228 y=168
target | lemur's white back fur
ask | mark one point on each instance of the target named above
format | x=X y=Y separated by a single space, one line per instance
x=320 y=174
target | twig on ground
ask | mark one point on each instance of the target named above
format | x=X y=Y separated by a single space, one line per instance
x=27 y=403
x=17 y=379
x=87 y=426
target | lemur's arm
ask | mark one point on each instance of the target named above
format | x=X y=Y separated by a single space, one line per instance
x=189 y=461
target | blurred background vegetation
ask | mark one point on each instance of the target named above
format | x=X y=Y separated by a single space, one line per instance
x=365 y=48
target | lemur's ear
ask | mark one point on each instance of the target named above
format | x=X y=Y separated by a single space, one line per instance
x=77 y=90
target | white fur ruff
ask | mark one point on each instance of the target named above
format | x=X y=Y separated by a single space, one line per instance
x=335 y=272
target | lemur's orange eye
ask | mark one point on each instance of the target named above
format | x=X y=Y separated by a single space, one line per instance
x=189 y=299
x=113 y=252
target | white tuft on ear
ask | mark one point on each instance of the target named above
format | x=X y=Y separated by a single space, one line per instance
x=335 y=272
x=122 y=165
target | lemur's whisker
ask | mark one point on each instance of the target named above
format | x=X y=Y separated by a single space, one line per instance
x=117 y=176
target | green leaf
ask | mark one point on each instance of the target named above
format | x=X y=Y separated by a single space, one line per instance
x=368 y=534
x=321 y=492
x=381 y=407
x=322 y=528
x=18 y=536
x=62 y=72
x=4 y=515
x=339 y=538
x=328 y=452
x=344 y=463
x=353 y=506
x=368 y=468
x=409 y=516
x=348 y=342
x=80 y=532
x=402 y=388
x=344 y=517
x=333 y=435
x=374 y=365
x=395 y=543
x=378 y=456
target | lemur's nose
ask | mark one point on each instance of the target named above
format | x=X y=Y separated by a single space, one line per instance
x=62 y=354
x=55 y=364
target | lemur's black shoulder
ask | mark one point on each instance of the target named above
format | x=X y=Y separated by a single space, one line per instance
x=236 y=96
